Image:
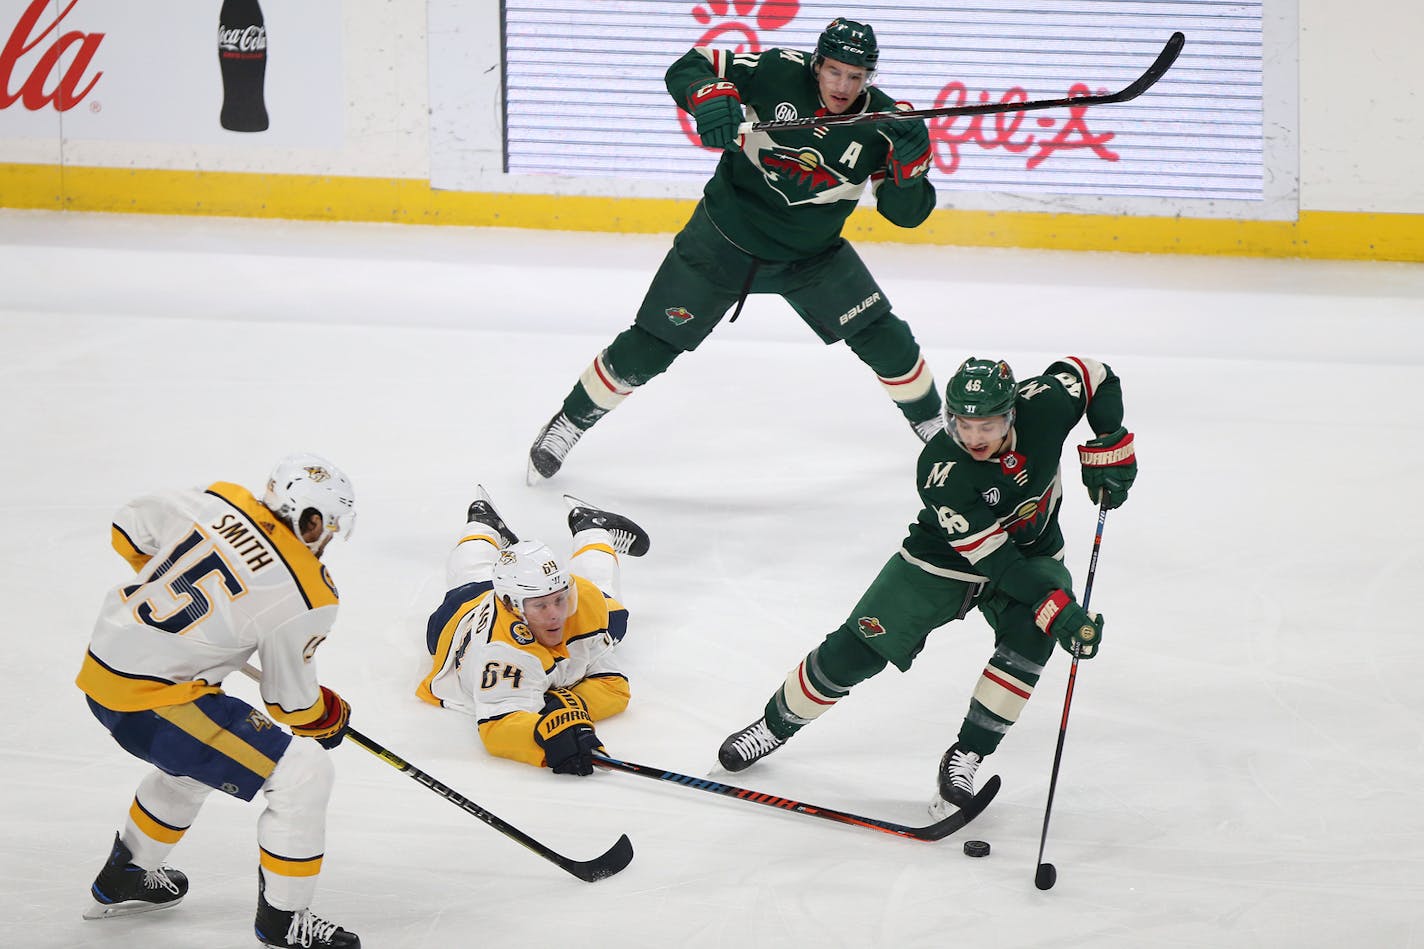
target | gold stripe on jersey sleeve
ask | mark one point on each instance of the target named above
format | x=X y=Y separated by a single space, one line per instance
x=311 y=577
x=127 y=549
x=127 y=693
x=195 y=722
x=154 y=828
x=288 y=867
x=587 y=547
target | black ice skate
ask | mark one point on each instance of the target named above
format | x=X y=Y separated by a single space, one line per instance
x=551 y=447
x=956 y=781
x=743 y=748
x=287 y=929
x=123 y=889
x=628 y=538
x=482 y=511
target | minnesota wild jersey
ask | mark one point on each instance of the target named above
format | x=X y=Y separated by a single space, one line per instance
x=787 y=194
x=981 y=519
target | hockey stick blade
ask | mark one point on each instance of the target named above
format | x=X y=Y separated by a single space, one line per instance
x=611 y=861
x=936 y=831
x=1137 y=87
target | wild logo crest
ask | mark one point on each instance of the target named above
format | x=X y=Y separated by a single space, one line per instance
x=798 y=174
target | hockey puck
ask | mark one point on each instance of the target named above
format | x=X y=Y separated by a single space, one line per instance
x=976 y=848
x=1045 y=876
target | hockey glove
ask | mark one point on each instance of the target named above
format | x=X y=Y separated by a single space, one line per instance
x=566 y=734
x=331 y=727
x=1061 y=617
x=717 y=107
x=1109 y=467
x=909 y=149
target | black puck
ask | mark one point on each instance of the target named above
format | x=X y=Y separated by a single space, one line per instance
x=976 y=848
x=1045 y=876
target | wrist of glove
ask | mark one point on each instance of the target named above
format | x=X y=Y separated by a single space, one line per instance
x=1109 y=467
x=910 y=153
x=1074 y=627
x=717 y=107
x=566 y=734
x=331 y=727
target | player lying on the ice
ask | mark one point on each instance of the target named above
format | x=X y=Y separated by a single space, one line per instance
x=525 y=642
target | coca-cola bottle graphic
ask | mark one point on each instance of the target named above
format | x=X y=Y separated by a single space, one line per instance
x=242 y=54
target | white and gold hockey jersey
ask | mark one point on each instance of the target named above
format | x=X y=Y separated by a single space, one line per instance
x=487 y=663
x=219 y=578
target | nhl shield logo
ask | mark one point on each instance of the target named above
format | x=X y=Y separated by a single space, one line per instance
x=870 y=626
x=678 y=315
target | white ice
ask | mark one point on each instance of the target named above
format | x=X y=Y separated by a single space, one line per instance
x=1244 y=761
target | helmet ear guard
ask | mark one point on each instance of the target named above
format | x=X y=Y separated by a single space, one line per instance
x=304 y=482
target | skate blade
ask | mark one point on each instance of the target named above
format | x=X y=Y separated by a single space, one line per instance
x=99 y=910
x=532 y=476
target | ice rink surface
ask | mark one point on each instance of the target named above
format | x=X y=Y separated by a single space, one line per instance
x=1244 y=764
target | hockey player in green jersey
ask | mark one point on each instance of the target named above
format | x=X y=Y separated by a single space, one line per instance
x=987 y=535
x=770 y=221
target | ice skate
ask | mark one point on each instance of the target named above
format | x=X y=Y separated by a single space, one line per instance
x=744 y=748
x=956 y=781
x=482 y=511
x=289 y=929
x=123 y=889
x=551 y=447
x=628 y=538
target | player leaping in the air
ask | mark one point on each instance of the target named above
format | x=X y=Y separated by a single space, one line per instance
x=987 y=535
x=770 y=221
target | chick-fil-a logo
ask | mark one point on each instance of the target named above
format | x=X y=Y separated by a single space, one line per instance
x=745 y=20
x=66 y=92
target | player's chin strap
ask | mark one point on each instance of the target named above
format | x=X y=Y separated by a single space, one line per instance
x=610 y=862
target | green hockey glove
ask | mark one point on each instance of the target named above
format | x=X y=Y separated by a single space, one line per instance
x=1061 y=617
x=1109 y=467
x=909 y=148
x=717 y=107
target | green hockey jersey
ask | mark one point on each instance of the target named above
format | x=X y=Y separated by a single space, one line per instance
x=981 y=519
x=786 y=195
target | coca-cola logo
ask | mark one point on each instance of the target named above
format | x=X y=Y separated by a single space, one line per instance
x=248 y=39
x=66 y=92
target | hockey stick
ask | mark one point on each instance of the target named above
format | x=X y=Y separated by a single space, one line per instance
x=1137 y=87
x=1046 y=874
x=936 y=831
x=610 y=862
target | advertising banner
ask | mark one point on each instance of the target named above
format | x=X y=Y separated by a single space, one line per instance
x=583 y=94
x=172 y=71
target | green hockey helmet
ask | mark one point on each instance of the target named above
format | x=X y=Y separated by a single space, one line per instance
x=981 y=388
x=848 y=42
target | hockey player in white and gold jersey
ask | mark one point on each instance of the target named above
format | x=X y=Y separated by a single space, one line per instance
x=222 y=576
x=525 y=643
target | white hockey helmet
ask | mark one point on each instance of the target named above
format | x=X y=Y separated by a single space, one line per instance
x=303 y=481
x=529 y=568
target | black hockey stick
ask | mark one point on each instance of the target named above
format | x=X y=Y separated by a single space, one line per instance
x=1137 y=87
x=610 y=862
x=936 y=831
x=1046 y=874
